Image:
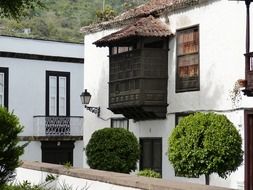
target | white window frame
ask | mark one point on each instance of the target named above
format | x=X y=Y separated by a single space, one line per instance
x=120 y=123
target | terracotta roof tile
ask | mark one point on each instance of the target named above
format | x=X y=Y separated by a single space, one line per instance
x=147 y=26
x=156 y=7
x=153 y=7
x=146 y=9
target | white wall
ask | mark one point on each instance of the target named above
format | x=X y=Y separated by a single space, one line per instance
x=27 y=83
x=32 y=151
x=96 y=69
x=27 y=86
x=38 y=177
x=222 y=45
x=78 y=153
x=41 y=47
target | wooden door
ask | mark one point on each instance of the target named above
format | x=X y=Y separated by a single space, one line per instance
x=249 y=150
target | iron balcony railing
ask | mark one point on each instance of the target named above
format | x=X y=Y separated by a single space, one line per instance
x=58 y=126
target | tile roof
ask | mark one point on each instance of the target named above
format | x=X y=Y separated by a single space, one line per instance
x=146 y=26
x=153 y=7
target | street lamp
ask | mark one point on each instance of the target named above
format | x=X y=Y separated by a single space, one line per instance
x=85 y=99
x=247 y=3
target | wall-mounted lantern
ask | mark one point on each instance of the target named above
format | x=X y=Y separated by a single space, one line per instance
x=85 y=99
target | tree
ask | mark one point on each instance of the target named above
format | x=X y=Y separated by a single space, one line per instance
x=62 y=19
x=10 y=150
x=113 y=149
x=17 y=8
x=205 y=144
x=106 y=14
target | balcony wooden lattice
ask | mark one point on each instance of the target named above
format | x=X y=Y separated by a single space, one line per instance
x=249 y=74
x=138 y=83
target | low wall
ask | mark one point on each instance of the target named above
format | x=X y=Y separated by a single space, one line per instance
x=90 y=179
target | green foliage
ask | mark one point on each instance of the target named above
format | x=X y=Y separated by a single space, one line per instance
x=235 y=95
x=25 y=185
x=28 y=186
x=104 y=15
x=17 y=8
x=21 y=186
x=67 y=165
x=205 y=144
x=113 y=149
x=50 y=177
x=10 y=150
x=61 y=19
x=149 y=173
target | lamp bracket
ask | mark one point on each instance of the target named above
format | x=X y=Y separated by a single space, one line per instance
x=95 y=110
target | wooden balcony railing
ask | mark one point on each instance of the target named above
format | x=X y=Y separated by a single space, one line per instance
x=249 y=74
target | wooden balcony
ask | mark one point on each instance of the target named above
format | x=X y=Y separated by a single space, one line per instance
x=138 y=83
x=248 y=91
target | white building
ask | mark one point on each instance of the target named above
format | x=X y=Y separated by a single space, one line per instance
x=203 y=45
x=41 y=82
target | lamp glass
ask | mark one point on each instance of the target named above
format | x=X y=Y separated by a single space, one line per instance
x=85 y=97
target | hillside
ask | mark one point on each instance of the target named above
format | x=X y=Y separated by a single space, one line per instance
x=61 y=19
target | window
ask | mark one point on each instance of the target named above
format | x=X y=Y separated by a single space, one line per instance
x=4 y=72
x=121 y=49
x=180 y=116
x=151 y=154
x=57 y=93
x=120 y=123
x=187 y=60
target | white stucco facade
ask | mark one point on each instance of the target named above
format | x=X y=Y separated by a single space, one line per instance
x=27 y=84
x=222 y=45
x=38 y=178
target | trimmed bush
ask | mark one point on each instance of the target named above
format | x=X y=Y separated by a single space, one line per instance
x=205 y=144
x=149 y=173
x=9 y=148
x=113 y=149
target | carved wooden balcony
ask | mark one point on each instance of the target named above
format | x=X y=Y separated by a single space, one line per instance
x=139 y=69
x=138 y=83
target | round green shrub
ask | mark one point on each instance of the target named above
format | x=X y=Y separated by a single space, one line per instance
x=205 y=144
x=113 y=149
x=10 y=150
x=149 y=173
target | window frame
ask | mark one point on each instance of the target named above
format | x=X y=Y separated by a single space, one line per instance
x=178 y=81
x=115 y=50
x=5 y=71
x=58 y=74
x=181 y=115
x=120 y=119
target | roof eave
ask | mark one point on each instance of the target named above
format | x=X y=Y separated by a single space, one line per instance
x=117 y=23
x=101 y=43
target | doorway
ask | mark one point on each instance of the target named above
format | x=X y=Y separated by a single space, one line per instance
x=57 y=152
x=151 y=154
x=248 y=149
